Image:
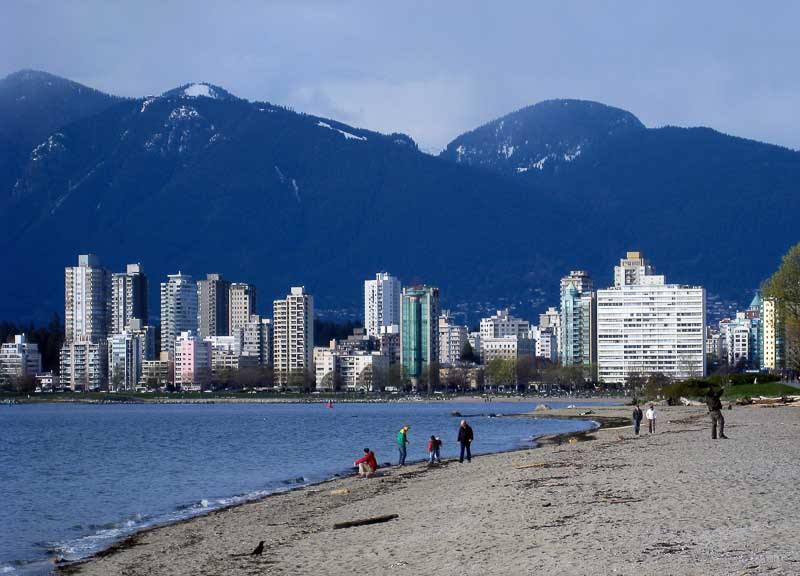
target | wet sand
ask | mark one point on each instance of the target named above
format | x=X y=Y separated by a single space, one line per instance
x=674 y=502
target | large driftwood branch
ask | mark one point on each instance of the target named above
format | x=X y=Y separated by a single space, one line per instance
x=364 y=521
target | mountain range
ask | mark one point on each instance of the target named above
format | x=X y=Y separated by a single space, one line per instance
x=199 y=180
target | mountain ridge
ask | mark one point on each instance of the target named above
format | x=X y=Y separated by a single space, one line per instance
x=278 y=198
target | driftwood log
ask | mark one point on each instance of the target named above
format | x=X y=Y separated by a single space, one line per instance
x=365 y=521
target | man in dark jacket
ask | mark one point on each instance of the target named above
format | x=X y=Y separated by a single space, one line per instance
x=715 y=410
x=465 y=439
x=637 y=419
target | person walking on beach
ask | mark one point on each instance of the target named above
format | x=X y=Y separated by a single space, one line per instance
x=651 y=419
x=637 y=418
x=714 y=403
x=402 y=441
x=367 y=464
x=434 y=445
x=465 y=437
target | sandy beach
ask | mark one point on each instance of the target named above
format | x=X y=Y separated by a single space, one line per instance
x=674 y=502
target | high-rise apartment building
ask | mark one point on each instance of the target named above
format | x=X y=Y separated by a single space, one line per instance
x=551 y=319
x=452 y=338
x=257 y=337
x=127 y=352
x=87 y=300
x=771 y=336
x=646 y=326
x=87 y=320
x=632 y=269
x=381 y=303
x=503 y=324
x=578 y=321
x=293 y=331
x=419 y=330
x=128 y=298
x=178 y=309
x=212 y=306
x=242 y=305
x=192 y=362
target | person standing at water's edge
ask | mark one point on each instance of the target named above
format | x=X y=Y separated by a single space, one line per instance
x=714 y=404
x=651 y=419
x=465 y=437
x=637 y=418
x=402 y=441
x=434 y=446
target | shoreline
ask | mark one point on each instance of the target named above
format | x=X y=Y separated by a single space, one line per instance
x=73 y=566
x=671 y=502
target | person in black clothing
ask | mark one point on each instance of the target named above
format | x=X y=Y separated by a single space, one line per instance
x=465 y=439
x=637 y=418
x=715 y=410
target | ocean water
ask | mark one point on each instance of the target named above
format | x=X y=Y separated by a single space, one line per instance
x=74 y=478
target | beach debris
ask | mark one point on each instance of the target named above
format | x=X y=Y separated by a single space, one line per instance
x=259 y=549
x=541 y=408
x=534 y=465
x=339 y=492
x=586 y=413
x=365 y=521
x=573 y=440
x=455 y=413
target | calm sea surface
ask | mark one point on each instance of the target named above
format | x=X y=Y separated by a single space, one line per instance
x=75 y=478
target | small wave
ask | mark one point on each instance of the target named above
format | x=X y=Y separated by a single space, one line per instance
x=5 y=569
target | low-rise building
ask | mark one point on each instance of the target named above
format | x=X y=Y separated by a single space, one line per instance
x=19 y=359
x=84 y=365
x=157 y=373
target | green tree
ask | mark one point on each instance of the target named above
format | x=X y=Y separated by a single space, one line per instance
x=468 y=353
x=501 y=371
x=784 y=287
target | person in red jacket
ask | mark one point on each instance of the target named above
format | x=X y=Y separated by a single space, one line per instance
x=367 y=464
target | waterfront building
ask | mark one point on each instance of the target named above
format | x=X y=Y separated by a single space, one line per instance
x=381 y=303
x=178 y=309
x=257 y=338
x=212 y=306
x=578 y=321
x=503 y=324
x=19 y=359
x=128 y=298
x=192 y=362
x=87 y=300
x=351 y=370
x=452 y=338
x=157 y=373
x=127 y=352
x=84 y=365
x=474 y=339
x=48 y=382
x=715 y=351
x=389 y=343
x=227 y=354
x=419 y=330
x=293 y=329
x=551 y=319
x=646 y=326
x=545 y=342
x=242 y=305
x=509 y=347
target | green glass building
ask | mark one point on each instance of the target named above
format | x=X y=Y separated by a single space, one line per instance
x=419 y=330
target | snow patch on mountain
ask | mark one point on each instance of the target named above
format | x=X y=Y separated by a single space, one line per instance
x=50 y=146
x=347 y=135
x=183 y=113
x=146 y=103
x=198 y=90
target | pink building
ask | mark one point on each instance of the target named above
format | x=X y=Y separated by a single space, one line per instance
x=192 y=362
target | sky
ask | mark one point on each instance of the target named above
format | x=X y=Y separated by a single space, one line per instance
x=434 y=69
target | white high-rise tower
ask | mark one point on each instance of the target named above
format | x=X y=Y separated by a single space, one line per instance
x=381 y=303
